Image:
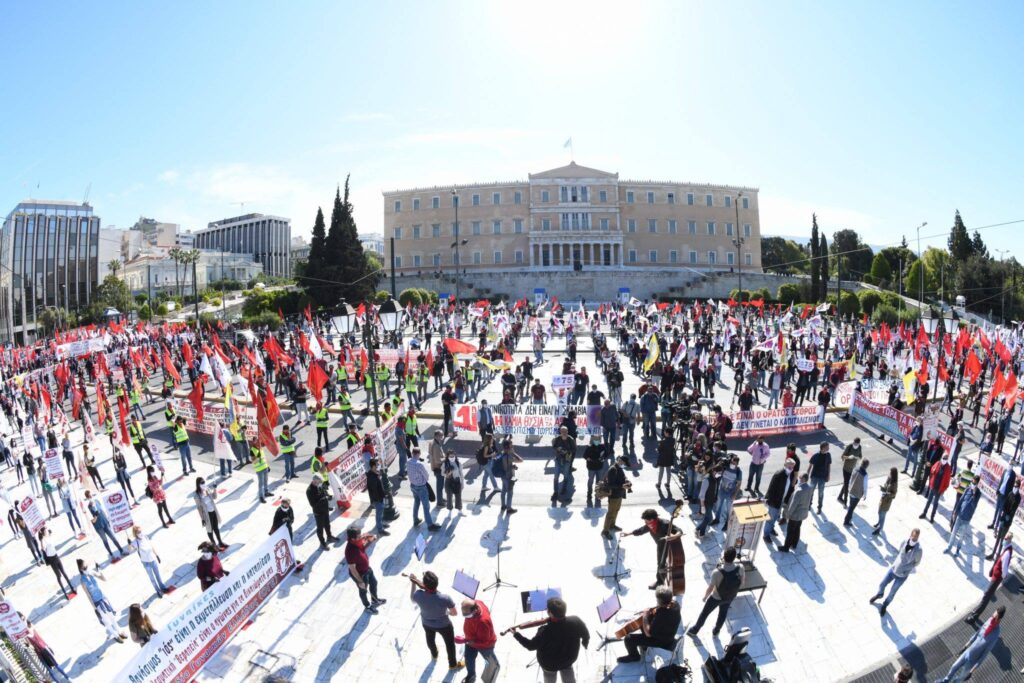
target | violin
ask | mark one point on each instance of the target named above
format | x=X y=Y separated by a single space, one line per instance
x=527 y=624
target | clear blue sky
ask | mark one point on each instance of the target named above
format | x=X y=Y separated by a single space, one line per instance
x=878 y=116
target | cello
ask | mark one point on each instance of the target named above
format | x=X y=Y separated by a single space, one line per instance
x=674 y=561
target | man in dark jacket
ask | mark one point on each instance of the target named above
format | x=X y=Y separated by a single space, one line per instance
x=319 y=498
x=820 y=466
x=780 y=488
x=557 y=643
x=609 y=427
x=662 y=531
x=618 y=486
x=375 y=489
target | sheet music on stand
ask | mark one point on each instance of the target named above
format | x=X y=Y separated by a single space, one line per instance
x=420 y=546
x=465 y=584
x=609 y=608
x=537 y=600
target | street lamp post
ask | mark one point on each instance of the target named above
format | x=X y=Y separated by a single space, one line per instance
x=739 y=244
x=1002 y=286
x=920 y=271
x=455 y=204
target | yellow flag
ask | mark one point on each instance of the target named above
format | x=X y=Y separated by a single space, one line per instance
x=653 y=351
x=853 y=366
x=908 y=386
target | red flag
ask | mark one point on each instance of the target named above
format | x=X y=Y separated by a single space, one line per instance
x=76 y=402
x=922 y=374
x=863 y=318
x=972 y=366
x=327 y=348
x=807 y=309
x=675 y=309
x=196 y=396
x=943 y=373
x=266 y=430
x=122 y=413
x=304 y=343
x=508 y=356
x=169 y=367
x=361 y=311
x=364 y=362
x=273 y=412
x=186 y=351
x=983 y=340
x=458 y=346
x=308 y=313
x=281 y=316
x=316 y=379
x=101 y=404
x=1010 y=386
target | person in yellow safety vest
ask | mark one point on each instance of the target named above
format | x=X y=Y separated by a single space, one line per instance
x=120 y=391
x=170 y=417
x=345 y=404
x=412 y=430
x=368 y=383
x=383 y=377
x=184 y=448
x=342 y=374
x=322 y=420
x=134 y=401
x=424 y=376
x=352 y=438
x=139 y=441
x=387 y=410
x=469 y=373
x=238 y=444
x=410 y=389
x=168 y=386
x=109 y=426
x=262 y=470
x=287 y=442
x=319 y=465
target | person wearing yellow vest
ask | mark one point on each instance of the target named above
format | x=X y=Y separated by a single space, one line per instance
x=109 y=426
x=412 y=430
x=319 y=465
x=262 y=469
x=384 y=378
x=410 y=389
x=368 y=384
x=322 y=420
x=423 y=374
x=352 y=437
x=134 y=401
x=184 y=448
x=238 y=444
x=345 y=404
x=168 y=386
x=471 y=386
x=287 y=443
x=341 y=372
x=170 y=417
x=139 y=441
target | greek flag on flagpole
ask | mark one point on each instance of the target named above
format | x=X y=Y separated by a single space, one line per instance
x=568 y=144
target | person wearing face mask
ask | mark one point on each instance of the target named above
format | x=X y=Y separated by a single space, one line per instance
x=205 y=498
x=908 y=556
x=858 y=490
x=453 y=479
x=710 y=496
x=662 y=531
x=780 y=488
x=284 y=516
x=53 y=559
x=208 y=568
x=938 y=482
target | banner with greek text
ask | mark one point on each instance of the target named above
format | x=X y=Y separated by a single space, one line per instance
x=29 y=509
x=185 y=644
x=781 y=421
x=893 y=422
x=119 y=512
x=530 y=419
x=876 y=390
x=348 y=470
x=214 y=413
x=990 y=472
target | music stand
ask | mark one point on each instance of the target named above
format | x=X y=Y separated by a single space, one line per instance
x=606 y=611
x=616 y=573
x=498 y=581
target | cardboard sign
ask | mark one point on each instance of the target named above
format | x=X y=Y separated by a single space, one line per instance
x=51 y=461
x=29 y=509
x=11 y=622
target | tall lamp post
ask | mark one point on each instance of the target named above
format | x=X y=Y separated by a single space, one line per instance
x=344 y=321
x=455 y=204
x=1002 y=286
x=920 y=298
x=739 y=244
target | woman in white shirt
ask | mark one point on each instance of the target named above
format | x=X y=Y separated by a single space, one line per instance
x=53 y=559
x=205 y=499
x=150 y=560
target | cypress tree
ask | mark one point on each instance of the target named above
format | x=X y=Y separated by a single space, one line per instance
x=814 y=257
x=315 y=264
x=960 y=246
x=823 y=280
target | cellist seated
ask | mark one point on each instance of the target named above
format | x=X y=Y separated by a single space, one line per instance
x=658 y=628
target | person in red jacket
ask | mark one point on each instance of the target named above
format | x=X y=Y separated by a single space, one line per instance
x=479 y=638
x=938 y=482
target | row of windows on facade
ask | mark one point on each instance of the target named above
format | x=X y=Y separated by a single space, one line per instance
x=476 y=258
x=571 y=194
x=577 y=221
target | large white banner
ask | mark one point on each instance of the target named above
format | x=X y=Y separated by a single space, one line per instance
x=530 y=419
x=876 y=390
x=350 y=471
x=990 y=472
x=212 y=414
x=184 y=645
x=779 y=421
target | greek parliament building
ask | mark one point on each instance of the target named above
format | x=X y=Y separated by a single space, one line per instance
x=572 y=232
x=267 y=238
x=50 y=253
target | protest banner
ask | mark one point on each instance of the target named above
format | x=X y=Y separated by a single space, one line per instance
x=876 y=390
x=386 y=357
x=990 y=472
x=563 y=382
x=11 y=622
x=183 y=646
x=530 y=419
x=893 y=422
x=51 y=461
x=119 y=512
x=753 y=423
x=804 y=364
x=213 y=413
x=348 y=468
x=29 y=509
x=84 y=347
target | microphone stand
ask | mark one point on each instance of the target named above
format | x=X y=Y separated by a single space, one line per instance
x=498 y=581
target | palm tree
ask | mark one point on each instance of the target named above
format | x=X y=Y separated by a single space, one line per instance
x=114 y=266
x=176 y=253
x=188 y=258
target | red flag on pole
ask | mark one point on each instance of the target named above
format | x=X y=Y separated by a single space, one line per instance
x=458 y=346
x=196 y=396
x=171 y=370
x=308 y=313
x=317 y=379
